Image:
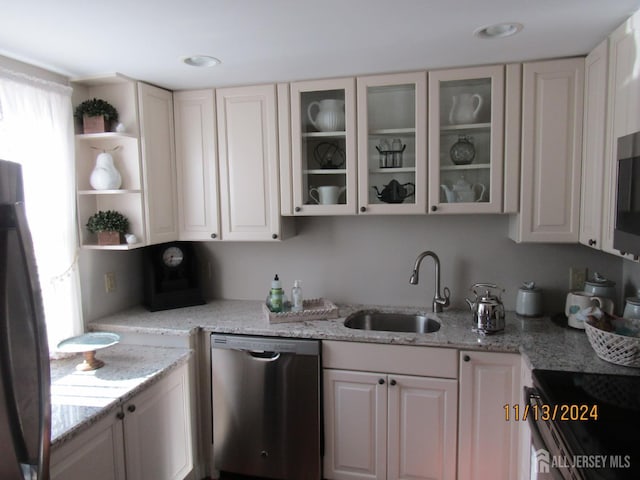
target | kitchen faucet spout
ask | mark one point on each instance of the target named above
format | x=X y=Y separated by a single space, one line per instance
x=438 y=300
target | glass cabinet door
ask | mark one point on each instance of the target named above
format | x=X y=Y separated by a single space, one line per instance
x=466 y=125
x=323 y=125
x=392 y=143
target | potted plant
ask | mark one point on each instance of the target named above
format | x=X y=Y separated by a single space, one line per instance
x=97 y=115
x=110 y=227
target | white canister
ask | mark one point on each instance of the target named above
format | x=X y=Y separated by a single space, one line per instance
x=529 y=300
x=632 y=307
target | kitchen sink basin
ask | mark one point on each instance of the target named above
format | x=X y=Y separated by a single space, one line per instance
x=392 y=322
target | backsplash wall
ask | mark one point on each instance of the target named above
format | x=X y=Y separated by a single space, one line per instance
x=368 y=259
x=364 y=259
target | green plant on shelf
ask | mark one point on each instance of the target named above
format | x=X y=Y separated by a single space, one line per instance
x=107 y=221
x=96 y=107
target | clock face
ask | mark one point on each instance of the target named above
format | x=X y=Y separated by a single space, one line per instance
x=172 y=256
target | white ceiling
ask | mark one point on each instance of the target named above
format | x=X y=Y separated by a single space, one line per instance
x=280 y=40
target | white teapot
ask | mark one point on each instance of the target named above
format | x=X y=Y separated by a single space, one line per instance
x=463 y=191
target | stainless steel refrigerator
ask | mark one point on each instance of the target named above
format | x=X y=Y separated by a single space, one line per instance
x=25 y=406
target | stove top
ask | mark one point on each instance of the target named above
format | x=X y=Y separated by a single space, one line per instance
x=597 y=415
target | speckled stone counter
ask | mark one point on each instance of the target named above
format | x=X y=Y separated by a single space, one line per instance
x=79 y=399
x=543 y=344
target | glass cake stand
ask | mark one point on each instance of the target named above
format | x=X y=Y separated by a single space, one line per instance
x=87 y=344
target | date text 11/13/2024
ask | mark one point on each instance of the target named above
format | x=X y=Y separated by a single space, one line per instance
x=561 y=412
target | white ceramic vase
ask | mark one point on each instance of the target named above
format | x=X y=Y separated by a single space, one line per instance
x=105 y=176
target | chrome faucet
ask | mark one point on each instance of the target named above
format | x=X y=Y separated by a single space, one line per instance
x=438 y=301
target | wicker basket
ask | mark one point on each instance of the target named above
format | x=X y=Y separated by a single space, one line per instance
x=614 y=348
x=313 y=309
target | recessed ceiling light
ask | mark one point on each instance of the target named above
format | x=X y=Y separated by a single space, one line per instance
x=499 y=30
x=201 y=61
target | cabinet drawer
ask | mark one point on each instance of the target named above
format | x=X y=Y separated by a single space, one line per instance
x=406 y=360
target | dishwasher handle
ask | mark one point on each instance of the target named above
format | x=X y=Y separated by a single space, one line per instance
x=263 y=355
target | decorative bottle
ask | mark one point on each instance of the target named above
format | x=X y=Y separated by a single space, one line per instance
x=105 y=176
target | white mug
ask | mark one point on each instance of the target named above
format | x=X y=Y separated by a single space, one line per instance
x=326 y=194
x=577 y=301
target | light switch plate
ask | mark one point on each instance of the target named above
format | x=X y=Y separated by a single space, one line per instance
x=110 y=282
x=577 y=277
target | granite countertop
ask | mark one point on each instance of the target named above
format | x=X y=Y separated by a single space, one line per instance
x=79 y=399
x=543 y=343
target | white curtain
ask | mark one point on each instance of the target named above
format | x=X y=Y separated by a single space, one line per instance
x=36 y=130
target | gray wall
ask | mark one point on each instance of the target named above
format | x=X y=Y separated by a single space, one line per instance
x=364 y=259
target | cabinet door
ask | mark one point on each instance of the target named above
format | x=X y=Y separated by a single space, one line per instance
x=355 y=409
x=422 y=428
x=97 y=454
x=624 y=114
x=197 y=165
x=323 y=129
x=593 y=145
x=392 y=156
x=159 y=165
x=248 y=155
x=551 y=152
x=466 y=140
x=487 y=443
x=157 y=430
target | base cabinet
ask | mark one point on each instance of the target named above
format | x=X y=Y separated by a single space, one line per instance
x=488 y=443
x=153 y=428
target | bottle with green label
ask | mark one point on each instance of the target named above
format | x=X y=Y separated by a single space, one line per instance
x=275 y=300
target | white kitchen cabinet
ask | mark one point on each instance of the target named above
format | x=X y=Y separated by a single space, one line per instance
x=593 y=145
x=466 y=140
x=154 y=429
x=248 y=156
x=623 y=112
x=159 y=163
x=197 y=165
x=393 y=425
x=551 y=152
x=488 y=444
x=143 y=154
x=97 y=454
x=392 y=126
x=324 y=154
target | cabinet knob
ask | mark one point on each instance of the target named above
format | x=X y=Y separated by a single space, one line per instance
x=434 y=208
x=274 y=236
x=592 y=242
x=120 y=415
x=214 y=235
x=298 y=209
x=131 y=408
x=381 y=381
x=466 y=358
x=392 y=382
x=363 y=209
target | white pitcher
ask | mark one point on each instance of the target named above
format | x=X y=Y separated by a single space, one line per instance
x=330 y=116
x=463 y=109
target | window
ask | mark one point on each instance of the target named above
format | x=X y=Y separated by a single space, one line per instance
x=36 y=130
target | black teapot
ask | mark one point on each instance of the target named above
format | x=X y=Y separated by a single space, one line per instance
x=395 y=192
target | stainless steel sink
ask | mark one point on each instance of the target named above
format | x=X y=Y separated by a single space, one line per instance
x=392 y=322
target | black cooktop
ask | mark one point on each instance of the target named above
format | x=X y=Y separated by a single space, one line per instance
x=597 y=414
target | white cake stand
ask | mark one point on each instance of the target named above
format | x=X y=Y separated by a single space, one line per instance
x=87 y=344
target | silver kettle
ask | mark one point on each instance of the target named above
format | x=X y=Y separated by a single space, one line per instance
x=487 y=308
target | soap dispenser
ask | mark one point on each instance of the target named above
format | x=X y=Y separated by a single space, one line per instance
x=275 y=299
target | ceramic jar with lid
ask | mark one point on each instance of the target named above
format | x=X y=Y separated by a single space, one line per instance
x=529 y=300
x=632 y=307
x=600 y=286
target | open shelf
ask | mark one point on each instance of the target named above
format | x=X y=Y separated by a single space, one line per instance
x=472 y=166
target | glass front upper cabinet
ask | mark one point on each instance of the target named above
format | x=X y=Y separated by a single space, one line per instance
x=392 y=157
x=466 y=140
x=323 y=126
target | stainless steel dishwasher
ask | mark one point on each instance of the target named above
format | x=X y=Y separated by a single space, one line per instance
x=266 y=406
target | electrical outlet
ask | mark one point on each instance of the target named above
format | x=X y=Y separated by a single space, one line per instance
x=577 y=277
x=110 y=282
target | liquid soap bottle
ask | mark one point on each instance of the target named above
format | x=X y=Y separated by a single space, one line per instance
x=296 y=297
x=275 y=300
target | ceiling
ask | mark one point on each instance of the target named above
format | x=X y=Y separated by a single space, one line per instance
x=262 y=41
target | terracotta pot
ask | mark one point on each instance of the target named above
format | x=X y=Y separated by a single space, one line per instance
x=95 y=124
x=109 y=238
